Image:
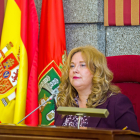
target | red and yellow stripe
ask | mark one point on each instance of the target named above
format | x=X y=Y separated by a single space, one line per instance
x=121 y=12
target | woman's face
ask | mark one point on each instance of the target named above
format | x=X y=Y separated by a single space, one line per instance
x=79 y=74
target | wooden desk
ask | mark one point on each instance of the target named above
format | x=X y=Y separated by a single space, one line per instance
x=11 y=132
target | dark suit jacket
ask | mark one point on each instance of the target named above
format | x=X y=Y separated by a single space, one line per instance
x=121 y=114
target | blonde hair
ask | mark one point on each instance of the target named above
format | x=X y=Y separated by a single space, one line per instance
x=101 y=82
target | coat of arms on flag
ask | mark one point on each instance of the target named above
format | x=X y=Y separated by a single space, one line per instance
x=9 y=67
x=49 y=81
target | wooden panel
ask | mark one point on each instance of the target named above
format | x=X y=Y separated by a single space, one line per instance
x=62 y=133
x=14 y=137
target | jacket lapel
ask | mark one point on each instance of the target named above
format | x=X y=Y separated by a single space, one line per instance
x=94 y=121
x=60 y=120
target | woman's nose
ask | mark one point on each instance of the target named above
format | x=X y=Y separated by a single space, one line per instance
x=76 y=69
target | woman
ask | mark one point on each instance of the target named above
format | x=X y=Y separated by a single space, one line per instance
x=86 y=83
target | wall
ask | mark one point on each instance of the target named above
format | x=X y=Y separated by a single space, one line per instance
x=84 y=24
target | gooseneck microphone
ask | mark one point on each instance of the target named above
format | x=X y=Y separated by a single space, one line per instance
x=50 y=98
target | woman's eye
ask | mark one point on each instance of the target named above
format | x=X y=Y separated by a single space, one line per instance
x=83 y=65
x=71 y=66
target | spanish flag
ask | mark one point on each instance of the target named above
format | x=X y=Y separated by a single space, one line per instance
x=121 y=12
x=52 y=56
x=18 y=62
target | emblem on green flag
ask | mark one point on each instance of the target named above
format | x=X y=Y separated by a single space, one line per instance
x=48 y=85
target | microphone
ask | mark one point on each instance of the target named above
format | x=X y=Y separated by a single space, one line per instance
x=50 y=98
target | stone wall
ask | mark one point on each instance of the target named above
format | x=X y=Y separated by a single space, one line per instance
x=84 y=24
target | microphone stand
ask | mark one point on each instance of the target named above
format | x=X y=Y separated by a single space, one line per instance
x=79 y=118
x=50 y=98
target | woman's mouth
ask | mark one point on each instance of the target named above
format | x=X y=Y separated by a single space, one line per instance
x=75 y=77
